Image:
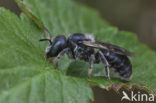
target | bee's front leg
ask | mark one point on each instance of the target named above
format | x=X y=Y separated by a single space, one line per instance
x=60 y=55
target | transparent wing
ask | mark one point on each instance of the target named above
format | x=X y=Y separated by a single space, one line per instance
x=108 y=47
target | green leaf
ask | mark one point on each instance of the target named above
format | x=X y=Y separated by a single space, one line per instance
x=65 y=17
x=25 y=74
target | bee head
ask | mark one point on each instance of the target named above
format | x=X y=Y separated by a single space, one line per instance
x=56 y=46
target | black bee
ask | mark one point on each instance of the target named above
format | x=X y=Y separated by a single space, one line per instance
x=83 y=47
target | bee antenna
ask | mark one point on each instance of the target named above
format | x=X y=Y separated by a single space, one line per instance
x=47 y=38
x=50 y=41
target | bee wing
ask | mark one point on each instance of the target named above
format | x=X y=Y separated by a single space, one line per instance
x=108 y=47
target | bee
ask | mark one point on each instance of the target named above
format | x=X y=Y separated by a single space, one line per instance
x=84 y=47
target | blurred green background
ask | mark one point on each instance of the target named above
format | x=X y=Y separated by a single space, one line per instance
x=138 y=16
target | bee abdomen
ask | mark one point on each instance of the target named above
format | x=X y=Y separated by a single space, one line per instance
x=121 y=64
x=125 y=71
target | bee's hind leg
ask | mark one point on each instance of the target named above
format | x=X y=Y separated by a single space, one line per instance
x=91 y=62
x=106 y=64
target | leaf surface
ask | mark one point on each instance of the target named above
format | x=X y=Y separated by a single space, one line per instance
x=65 y=17
x=25 y=74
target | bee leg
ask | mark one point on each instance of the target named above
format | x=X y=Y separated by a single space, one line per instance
x=105 y=62
x=70 y=54
x=107 y=74
x=60 y=55
x=75 y=49
x=91 y=62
